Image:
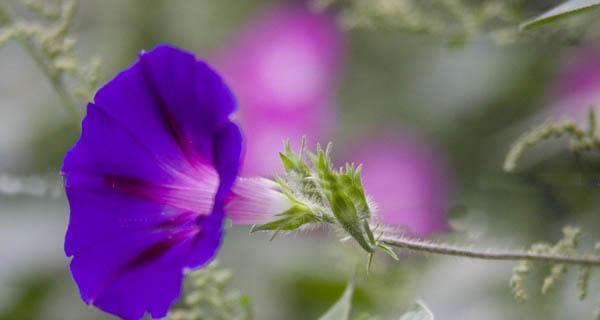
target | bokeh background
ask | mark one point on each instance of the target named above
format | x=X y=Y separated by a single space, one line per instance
x=430 y=117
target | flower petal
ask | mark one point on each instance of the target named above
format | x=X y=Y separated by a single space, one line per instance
x=227 y=158
x=106 y=148
x=127 y=239
x=179 y=80
x=171 y=103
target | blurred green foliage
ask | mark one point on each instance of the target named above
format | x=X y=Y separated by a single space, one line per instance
x=27 y=302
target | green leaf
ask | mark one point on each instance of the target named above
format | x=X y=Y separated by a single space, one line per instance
x=344 y=211
x=418 y=312
x=292 y=219
x=341 y=309
x=387 y=249
x=288 y=164
x=565 y=9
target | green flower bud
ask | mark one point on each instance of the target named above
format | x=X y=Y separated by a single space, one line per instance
x=319 y=194
x=346 y=198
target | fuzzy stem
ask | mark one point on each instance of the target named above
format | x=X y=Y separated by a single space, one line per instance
x=54 y=79
x=460 y=251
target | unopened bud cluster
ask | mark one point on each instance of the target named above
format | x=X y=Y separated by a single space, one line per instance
x=318 y=193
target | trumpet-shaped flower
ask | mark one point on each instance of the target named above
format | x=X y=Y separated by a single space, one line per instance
x=148 y=181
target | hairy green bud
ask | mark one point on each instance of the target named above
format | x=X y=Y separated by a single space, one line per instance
x=321 y=194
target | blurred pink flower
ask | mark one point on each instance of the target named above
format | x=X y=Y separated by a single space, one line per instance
x=578 y=84
x=283 y=68
x=407 y=180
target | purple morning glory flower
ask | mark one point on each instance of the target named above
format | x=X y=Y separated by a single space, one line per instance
x=406 y=180
x=148 y=180
x=284 y=69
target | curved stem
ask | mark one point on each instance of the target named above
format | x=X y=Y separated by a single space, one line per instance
x=460 y=251
x=54 y=79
